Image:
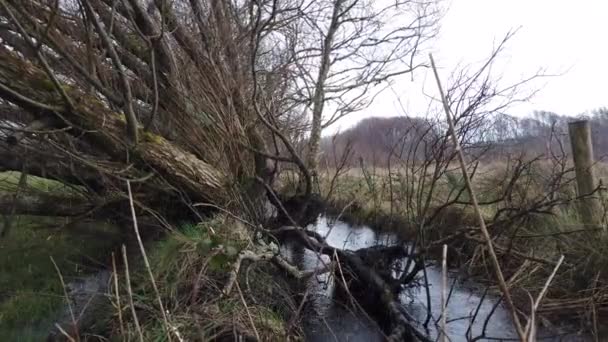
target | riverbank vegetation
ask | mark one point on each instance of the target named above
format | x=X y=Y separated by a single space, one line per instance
x=159 y=157
x=191 y=267
x=528 y=200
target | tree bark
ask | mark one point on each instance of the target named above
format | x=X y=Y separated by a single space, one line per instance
x=44 y=204
x=47 y=164
x=27 y=86
x=319 y=94
x=401 y=327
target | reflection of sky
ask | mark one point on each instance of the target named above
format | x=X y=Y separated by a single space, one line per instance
x=344 y=236
x=461 y=306
x=326 y=320
x=350 y=327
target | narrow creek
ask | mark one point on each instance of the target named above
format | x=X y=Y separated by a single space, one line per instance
x=328 y=320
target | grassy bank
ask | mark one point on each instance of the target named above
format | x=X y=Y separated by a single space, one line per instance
x=191 y=267
x=31 y=294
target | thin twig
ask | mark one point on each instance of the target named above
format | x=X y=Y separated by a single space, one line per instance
x=469 y=333
x=427 y=288
x=296 y=315
x=130 y=293
x=351 y=297
x=130 y=117
x=530 y=325
x=147 y=263
x=64 y=333
x=10 y=218
x=444 y=285
x=255 y=330
x=117 y=293
x=199 y=278
x=155 y=88
x=277 y=260
x=547 y=283
x=47 y=69
x=67 y=298
x=595 y=331
x=22 y=100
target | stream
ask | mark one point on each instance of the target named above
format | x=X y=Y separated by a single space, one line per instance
x=328 y=320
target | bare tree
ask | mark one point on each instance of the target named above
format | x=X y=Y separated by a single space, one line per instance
x=343 y=51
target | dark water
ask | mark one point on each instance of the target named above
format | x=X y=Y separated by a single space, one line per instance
x=327 y=320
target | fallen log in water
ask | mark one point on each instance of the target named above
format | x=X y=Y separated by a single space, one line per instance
x=380 y=291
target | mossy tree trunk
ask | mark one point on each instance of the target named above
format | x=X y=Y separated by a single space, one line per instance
x=155 y=160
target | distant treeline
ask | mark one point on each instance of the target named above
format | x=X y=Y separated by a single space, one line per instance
x=375 y=140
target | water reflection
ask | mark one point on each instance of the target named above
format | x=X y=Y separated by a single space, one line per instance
x=328 y=320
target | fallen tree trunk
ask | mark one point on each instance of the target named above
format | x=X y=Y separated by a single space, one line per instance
x=45 y=205
x=25 y=85
x=38 y=160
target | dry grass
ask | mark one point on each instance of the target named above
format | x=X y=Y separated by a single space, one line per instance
x=528 y=246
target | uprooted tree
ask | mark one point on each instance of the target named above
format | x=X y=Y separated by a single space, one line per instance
x=95 y=93
x=192 y=100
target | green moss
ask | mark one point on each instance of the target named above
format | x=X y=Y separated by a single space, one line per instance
x=194 y=241
x=9 y=182
x=151 y=137
x=25 y=334
x=37 y=307
x=134 y=43
x=45 y=84
x=68 y=88
x=228 y=307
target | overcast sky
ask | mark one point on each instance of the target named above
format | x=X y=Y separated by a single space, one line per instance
x=568 y=37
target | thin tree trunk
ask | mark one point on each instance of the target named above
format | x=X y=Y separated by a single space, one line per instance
x=318 y=101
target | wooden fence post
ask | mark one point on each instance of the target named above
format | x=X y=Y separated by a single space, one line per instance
x=582 y=154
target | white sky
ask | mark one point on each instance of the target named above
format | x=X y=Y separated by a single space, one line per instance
x=562 y=37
